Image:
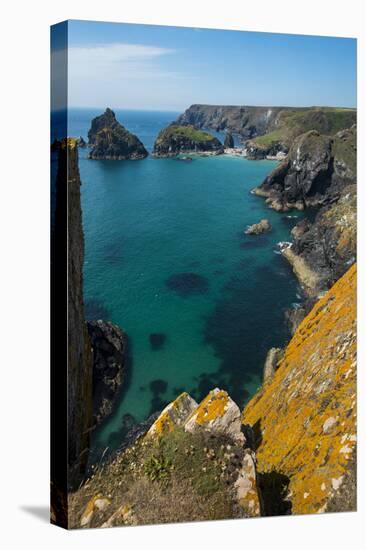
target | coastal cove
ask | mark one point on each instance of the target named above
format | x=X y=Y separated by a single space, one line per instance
x=166 y=259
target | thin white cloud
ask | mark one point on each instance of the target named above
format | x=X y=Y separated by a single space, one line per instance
x=107 y=72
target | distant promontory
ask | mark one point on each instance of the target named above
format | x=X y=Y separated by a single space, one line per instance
x=109 y=140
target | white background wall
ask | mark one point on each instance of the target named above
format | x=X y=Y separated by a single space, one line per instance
x=24 y=272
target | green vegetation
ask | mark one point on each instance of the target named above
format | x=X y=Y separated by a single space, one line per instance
x=187 y=132
x=177 y=477
x=345 y=149
x=292 y=123
x=157 y=468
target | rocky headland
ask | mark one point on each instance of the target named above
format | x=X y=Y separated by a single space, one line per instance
x=268 y=131
x=314 y=173
x=177 y=139
x=109 y=140
x=320 y=172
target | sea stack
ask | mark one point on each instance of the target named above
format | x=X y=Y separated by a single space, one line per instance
x=109 y=140
x=176 y=139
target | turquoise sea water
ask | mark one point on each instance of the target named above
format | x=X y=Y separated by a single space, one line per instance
x=166 y=255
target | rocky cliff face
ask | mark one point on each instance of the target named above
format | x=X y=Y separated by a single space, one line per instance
x=80 y=363
x=316 y=170
x=279 y=126
x=177 y=139
x=109 y=345
x=109 y=140
x=320 y=171
x=304 y=418
x=96 y=356
x=246 y=121
x=328 y=246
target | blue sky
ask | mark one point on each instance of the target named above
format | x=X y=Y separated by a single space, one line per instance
x=169 y=68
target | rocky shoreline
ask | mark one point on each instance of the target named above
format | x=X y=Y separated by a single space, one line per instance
x=292 y=449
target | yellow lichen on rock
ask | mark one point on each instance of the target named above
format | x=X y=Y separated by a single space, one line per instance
x=213 y=406
x=122 y=516
x=96 y=503
x=304 y=418
x=217 y=413
x=174 y=414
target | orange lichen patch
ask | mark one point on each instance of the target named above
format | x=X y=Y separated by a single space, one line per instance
x=305 y=417
x=163 y=424
x=212 y=407
x=96 y=503
x=175 y=414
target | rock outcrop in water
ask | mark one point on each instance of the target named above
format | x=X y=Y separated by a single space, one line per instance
x=109 y=344
x=109 y=140
x=176 y=139
x=257 y=228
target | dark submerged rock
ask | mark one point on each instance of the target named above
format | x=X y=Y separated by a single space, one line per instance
x=157 y=340
x=158 y=386
x=187 y=284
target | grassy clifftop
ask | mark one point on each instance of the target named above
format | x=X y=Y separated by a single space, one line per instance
x=304 y=417
x=292 y=123
x=188 y=132
x=178 y=138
